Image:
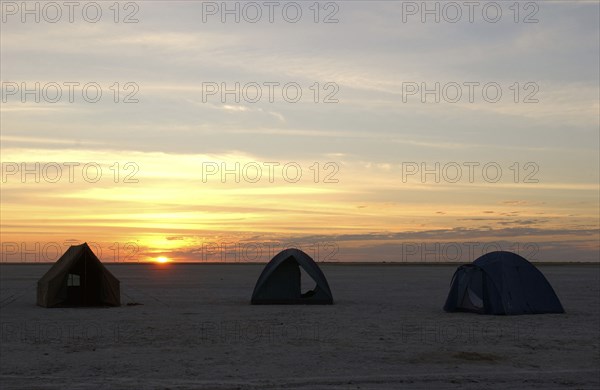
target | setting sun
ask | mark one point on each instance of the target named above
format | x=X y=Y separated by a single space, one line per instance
x=162 y=259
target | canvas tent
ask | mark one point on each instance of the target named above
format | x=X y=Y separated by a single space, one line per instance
x=501 y=283
x=78 y=278
x=280 y=281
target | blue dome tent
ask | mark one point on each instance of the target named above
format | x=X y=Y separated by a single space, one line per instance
x=501 y=283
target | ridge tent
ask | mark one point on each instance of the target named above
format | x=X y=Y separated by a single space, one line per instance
x=501 y=283
x=280 y=281
x=78 y=278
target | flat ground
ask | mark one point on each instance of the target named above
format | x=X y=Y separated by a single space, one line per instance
x=196 y=329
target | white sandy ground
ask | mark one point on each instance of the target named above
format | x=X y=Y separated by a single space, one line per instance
x=196 y=329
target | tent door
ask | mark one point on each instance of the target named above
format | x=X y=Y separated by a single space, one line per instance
x=308 y=284
x=74 y=290
x=472 y=291
x=83 y=288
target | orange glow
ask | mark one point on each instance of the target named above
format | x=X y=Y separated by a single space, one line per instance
x=154 y=221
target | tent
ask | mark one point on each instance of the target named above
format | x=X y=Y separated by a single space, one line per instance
x=280 y=281
x=78 y=278
x=501 y=283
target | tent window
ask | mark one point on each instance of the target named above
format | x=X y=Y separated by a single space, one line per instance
x=73 y=280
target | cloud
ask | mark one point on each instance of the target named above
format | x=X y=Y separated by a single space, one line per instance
x=369 y=133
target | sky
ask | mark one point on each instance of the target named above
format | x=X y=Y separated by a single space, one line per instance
x=355 y=130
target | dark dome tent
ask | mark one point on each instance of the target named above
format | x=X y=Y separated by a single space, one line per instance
x=280 y=281
x=501 y=283
x=78 y=278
